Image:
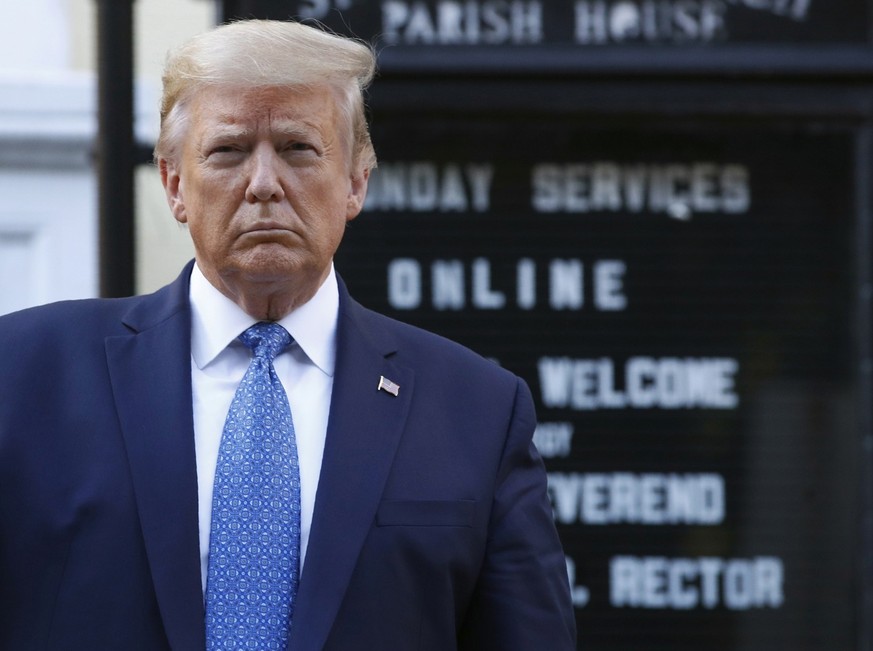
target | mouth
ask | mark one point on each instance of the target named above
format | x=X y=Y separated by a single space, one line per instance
x=268 y=233
x=268 y=226
x=267 y=230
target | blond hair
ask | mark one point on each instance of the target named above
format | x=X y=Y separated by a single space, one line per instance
x=268 y=53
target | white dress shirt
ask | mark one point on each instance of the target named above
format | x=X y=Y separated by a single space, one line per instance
x=219 y=361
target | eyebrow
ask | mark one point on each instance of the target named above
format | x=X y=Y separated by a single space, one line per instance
x=294 y=128
x=227 y=131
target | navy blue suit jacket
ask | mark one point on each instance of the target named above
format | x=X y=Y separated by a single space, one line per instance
x=432 y=529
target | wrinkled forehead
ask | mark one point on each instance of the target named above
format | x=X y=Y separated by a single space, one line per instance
x=234 y=102
x=226 y=107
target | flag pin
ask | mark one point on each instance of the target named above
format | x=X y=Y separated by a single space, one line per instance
x=387 y=385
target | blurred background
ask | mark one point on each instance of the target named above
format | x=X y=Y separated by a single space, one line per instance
x=657 y=212
x=48 y=130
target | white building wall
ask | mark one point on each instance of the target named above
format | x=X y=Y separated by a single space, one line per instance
x=47 y=195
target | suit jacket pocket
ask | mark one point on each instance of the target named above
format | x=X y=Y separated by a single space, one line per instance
x=425 y=513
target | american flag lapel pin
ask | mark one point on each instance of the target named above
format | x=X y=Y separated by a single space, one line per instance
x=387 y=385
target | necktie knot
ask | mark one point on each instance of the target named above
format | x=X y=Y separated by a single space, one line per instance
x=266 y=340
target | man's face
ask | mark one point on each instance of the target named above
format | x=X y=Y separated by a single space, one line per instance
x=264 y=181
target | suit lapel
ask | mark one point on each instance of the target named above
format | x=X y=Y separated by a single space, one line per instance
x=363 y=433
x=150 y=370
x=151 y=381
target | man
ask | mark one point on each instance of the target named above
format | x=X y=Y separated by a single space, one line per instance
x=248 y=458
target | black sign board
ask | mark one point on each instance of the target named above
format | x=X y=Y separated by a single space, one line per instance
x=679 y=298
x=577 y=23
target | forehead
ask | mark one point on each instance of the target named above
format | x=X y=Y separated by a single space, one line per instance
x=312 y=107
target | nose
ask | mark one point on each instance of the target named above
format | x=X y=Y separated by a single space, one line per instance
x=264 y=177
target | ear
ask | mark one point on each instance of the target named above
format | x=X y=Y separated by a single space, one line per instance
x=357 y=193
x=172 y=183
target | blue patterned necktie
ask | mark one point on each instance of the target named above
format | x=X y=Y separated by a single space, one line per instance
x=254 y=543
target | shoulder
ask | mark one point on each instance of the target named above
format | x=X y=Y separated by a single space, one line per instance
x=55 y=319
x=436 y=360
x=389 y=332
x=76 y=324
x=60 y=331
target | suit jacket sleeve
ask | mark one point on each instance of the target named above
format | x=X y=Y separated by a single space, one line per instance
x=522 y=599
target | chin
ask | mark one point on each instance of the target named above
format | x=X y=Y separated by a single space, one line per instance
x=276 y=268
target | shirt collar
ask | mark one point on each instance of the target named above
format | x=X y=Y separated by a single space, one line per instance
x=216 y=321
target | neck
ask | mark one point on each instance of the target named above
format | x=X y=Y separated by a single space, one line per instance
x=269 y=307
x=268 y=300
